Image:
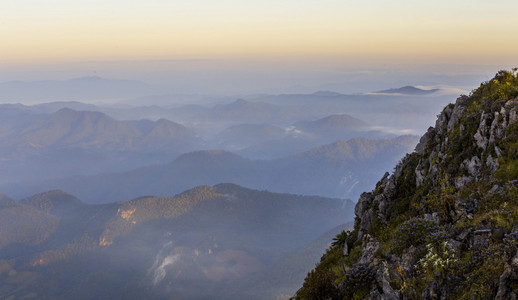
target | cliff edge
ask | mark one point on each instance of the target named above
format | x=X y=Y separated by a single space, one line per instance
x=444 y=225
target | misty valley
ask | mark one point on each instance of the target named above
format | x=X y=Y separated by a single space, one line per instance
x=262 y=150
x=186 y=196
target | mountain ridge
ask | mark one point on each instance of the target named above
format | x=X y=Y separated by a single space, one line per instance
x=444 y=224
x=339 y=166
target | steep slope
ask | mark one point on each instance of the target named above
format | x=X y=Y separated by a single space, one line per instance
x=444 y=225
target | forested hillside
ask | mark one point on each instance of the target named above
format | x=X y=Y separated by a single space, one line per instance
x=220 y=241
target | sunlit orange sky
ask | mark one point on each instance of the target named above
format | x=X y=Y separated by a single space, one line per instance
x=321 y=34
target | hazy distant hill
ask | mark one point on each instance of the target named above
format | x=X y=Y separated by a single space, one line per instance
x=16 y=117
x=52 y=107
x=327 y=94
x=334 y=127
x=331 y=123
x=36 y=145
x=342 y=169
x=383 y=110
x=192 y=245
x=408 y=90
x=266 y=141
x=243 y=111
x=252 y=132
x=88 y=129
x=394 y=112
x=339 y=169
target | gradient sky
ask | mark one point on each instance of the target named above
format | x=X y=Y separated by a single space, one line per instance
x=323 y=32
x=445 y=30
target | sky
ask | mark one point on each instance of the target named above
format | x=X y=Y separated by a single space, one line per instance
x=54 y=39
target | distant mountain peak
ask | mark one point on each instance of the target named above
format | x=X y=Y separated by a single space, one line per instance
x=408 y=90
x=66 y=110
x=69 y=112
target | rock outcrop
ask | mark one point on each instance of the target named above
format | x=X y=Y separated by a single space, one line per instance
x=444 y=225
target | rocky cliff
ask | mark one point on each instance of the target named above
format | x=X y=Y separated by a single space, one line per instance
x=444 y=225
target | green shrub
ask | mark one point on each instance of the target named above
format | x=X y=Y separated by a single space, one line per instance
x=358 y=281
x=319 y=284
x=414 y=232
x=508 y=170
x=483 y=270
